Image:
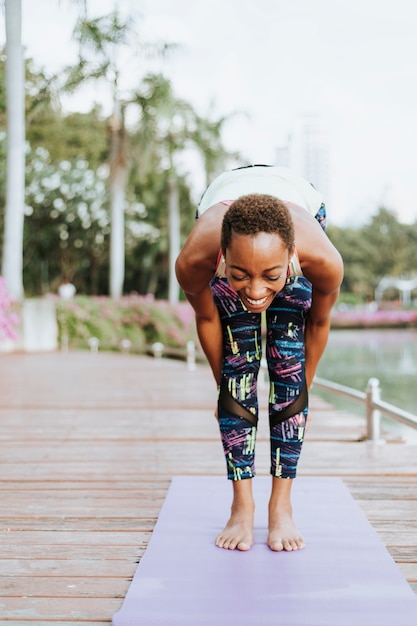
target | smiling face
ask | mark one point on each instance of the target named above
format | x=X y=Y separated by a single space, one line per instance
x=256 y=267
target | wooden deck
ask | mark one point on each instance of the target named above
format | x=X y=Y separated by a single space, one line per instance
x=88 y=445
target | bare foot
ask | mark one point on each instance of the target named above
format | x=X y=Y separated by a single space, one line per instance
x=238 y=532
x=283 y=533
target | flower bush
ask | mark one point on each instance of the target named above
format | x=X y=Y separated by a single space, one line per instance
x=139 y=319
x=9 y=319
x=362 y=318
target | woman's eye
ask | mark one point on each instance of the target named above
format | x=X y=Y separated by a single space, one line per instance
x=273 y=278
x=270 y=279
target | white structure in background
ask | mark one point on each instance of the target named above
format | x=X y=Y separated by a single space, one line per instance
x=307 y=152
x=405 y=287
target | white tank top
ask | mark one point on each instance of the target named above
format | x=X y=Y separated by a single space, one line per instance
x=280 y=182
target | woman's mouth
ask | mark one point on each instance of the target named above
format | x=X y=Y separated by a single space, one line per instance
x=258 y=302
x=256 y=305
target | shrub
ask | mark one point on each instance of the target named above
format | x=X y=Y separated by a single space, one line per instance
x=140 y=319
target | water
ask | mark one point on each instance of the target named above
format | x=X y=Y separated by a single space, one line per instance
x=352 y=357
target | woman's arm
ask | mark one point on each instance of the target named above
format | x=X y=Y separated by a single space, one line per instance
x=323 y=266
x=317 y=330
x=209 y=329
x=195 y=267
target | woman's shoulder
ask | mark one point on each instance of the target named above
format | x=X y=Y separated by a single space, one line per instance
x=317 y=255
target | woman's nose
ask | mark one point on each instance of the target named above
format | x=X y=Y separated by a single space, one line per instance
x=257 y=289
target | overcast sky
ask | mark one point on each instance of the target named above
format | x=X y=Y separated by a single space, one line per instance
x=353 y=62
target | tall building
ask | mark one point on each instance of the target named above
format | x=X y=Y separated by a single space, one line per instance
x=307 y=152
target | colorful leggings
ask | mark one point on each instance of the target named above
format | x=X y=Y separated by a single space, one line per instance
x=238 y=401
x=285 y=355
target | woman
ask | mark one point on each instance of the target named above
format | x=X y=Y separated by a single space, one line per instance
x=275 y=258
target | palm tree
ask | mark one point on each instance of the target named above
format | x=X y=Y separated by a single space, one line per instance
x=12 y=262
x=207 y=137
x=164 y=129
x=168 y=126
x=100 y=42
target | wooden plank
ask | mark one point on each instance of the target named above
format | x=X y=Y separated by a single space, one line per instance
x=153 y=486
x=385 y=490
x=384 y=509
x=43 y=610
x=403 y=554
x=193 y=463
x=63 y=587
x=55 y=492
x=93 y=549
x=77 y=524
x=393 y=480
x=81 y=503
x=122 y=425
x=397 y=538
x=348 y=459
x=68 y=567
x=71 y=538
x=94 y=622
x=128 y=510
x=136 y=451
x=395 y=525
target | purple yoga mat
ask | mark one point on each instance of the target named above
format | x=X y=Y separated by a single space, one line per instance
x=344 y=577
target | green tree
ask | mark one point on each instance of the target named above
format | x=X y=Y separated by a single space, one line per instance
x=382 y=247
x=147 y=258
x=67 y=224
x=207 y=137
x=358 y=277
x=63 y=135
x=386 y=240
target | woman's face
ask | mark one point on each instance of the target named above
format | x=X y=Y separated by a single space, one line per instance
x=256 y=267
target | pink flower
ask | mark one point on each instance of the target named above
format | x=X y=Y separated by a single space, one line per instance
x=8 y=319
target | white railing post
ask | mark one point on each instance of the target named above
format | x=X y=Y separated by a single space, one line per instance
x=191 y=356
x=373 y=416
x=157 y=349
x=93 y=343
x=125 y=346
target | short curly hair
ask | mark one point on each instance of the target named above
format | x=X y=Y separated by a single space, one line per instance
x=257 y=213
